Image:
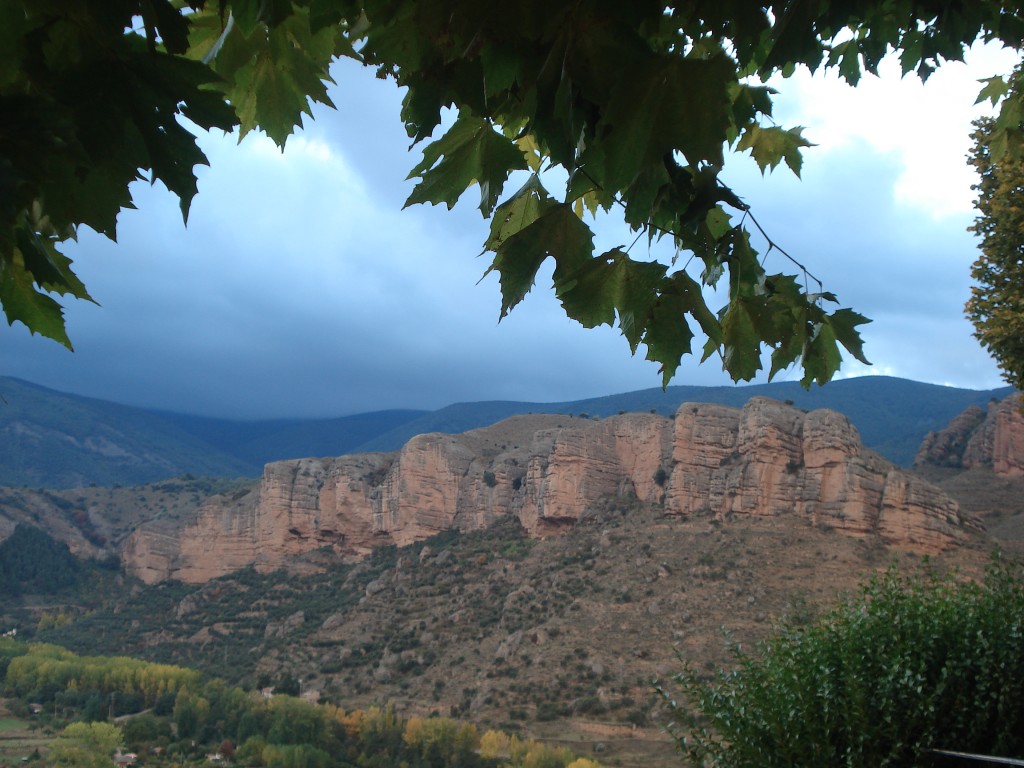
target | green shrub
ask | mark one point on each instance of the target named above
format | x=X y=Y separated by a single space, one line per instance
x=908 y=665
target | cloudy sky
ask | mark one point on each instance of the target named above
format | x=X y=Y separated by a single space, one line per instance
x=301 y=288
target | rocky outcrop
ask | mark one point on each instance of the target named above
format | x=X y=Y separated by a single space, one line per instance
x=771 y=459
x=946 y=447
x=977 y=438
x=548 y=471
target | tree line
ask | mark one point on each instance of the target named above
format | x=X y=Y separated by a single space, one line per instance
x=177 y=714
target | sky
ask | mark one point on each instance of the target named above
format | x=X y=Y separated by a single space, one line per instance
x=301 y=288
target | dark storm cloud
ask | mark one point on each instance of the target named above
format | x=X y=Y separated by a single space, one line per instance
x=301 y=288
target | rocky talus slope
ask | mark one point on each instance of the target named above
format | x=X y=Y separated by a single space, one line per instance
x=767 y=459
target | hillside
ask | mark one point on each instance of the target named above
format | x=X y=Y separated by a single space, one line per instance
x=559 y=638
x=54 y=440
x=49 y=439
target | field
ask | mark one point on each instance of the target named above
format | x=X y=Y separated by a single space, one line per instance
x=18 y=739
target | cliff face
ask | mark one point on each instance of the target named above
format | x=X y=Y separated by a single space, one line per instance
x=770 y=459
x=977 y=438
x=766 y=459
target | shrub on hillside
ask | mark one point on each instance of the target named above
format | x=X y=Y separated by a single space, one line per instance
x=906 y=666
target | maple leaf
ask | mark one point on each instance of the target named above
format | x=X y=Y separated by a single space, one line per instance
x=22 y=302
x=556 y=232
x=843 y=323
x=741 y=353
x=770 y=146
x=611 y=285
x=469 y=152
x=668 y=335
x=821 y=355
x=670 y=104
x=272 y=73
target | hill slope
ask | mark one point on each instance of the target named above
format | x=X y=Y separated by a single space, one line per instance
x=55 y=440
x=558 y=638
x=52 y=439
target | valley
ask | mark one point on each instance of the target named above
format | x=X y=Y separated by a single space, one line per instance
x=537 y=576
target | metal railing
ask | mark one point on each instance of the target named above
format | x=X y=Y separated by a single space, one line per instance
x=977 y=758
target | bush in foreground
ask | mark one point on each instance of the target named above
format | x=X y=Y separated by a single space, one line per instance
x=906 y=666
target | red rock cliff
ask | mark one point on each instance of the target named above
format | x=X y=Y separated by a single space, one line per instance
x=766 y=459
x=977 y=438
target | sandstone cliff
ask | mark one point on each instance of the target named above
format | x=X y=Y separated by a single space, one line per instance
x=978 y=438
x=766 y=459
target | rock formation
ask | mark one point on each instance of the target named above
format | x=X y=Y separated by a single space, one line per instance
x=977 y=438
x=772 y=459
x=548 y=471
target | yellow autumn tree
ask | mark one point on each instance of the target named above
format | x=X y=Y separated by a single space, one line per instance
x=86 y=745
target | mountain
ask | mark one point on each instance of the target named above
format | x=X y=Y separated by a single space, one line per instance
x=572 y=571
x=892 y=415
x=53 y=439
x=260 y=442
x=548 y=472
x=56 y=440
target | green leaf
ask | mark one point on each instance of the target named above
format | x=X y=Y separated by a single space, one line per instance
x=788 y=351
x=746 y=275
x=250 y=14
x=718 y=222
x=770 y=146
x=749 y=101
x=995 y=88
x=690 y=290
x=518 y=212
x=272 y=73
x=671 y=104
x=668 y=336
x=469 y=152
x=557 y=232
x=22 y=302
x=611 y=284
x=48 y=267
x=589 y=294
x=843 y=323
x=12 y=32
x=847 y=56
x=741 y=354
x=636 y=285
x=821 y=356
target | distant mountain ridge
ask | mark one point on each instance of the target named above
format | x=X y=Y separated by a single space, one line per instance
x=58 y=440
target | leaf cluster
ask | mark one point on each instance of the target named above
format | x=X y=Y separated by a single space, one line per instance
x=590 y=105
x=907 y=666
x=91 y=98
